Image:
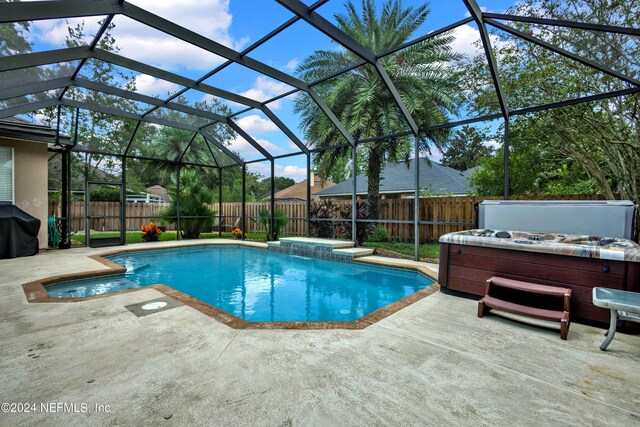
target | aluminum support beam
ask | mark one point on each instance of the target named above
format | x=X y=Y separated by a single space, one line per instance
x=563 y=52
x=563 y=23
x=219 y=202
x=178 y=172
x=416 y=199
x=505 y=160
x=243 y=208
x=308 y=199
x=187 y=147
x=133 y=135
x=135 y=96
x=476 y=14
x=27 y=108
x=210 y=139
x=354 y=195
x=327 y=111
x=213 y=156
x=319 y=22
x=38 y=10
x=132 y=116
x=272 y=204
x=202 y=42
x=285 y=130
x=34 y=87
x=249 y=139
x=26 y=60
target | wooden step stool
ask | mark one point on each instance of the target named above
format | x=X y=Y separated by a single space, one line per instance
x=562 y=316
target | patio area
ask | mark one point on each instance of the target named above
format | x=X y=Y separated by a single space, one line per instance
x=433 y=362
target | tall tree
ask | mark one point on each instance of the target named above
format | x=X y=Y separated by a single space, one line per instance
x=466 y=147
x=421 y=73
x=602 y=137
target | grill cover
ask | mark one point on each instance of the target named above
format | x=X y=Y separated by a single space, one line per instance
x=18 y=232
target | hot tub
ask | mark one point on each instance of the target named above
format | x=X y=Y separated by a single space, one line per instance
x=580 y=262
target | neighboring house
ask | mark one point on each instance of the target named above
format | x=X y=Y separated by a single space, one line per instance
x=467 y=174
x=159 y=191
x=24 y=167
x=298 y=192
x=397 y=182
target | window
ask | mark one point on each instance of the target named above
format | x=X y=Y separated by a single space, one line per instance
x=6 y=175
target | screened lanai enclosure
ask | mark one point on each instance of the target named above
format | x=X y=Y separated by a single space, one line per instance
x=126 y=113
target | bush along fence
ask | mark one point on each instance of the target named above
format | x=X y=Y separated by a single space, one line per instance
x=438 y=216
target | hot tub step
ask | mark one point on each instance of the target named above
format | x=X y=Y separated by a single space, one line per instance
x=491 y=302
x=523 y=310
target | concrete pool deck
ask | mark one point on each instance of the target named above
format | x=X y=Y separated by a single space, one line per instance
x=431 y=363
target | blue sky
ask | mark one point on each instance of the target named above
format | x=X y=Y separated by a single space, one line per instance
x=237 y=24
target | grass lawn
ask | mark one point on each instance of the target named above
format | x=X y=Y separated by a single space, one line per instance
x=427 y=250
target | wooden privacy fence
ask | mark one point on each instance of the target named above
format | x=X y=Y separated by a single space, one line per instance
x=439 y=215
x=135 y=212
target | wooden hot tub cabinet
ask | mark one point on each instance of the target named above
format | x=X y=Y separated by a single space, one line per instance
x=465 y=269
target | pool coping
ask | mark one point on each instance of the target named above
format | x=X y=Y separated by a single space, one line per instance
x=36 y=293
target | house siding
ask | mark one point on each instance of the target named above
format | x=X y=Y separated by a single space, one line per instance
x=30 y=161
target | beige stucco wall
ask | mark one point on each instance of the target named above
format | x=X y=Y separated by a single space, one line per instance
x=30 y=175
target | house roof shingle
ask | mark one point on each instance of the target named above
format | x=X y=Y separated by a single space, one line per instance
x=398 y=178
x=299 y=191
x=17 y=128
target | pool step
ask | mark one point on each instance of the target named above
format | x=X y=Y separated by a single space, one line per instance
x=315 y=242
x=354 y=252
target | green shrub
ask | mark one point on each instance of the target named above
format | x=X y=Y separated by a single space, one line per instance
x=194 y=202
x=380 y=234
x=324 y=209
x=279 y=221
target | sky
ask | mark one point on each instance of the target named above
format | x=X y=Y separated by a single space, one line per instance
x=237 y=24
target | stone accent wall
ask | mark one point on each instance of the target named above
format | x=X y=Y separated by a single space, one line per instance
x=313 y=251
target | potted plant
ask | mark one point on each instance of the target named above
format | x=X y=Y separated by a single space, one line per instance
x=237 y=233
x=150 y=232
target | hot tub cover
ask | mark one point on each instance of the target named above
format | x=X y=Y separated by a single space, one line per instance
x=18 y=232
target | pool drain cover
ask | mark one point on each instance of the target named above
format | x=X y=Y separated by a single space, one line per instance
x=345 y=311
x=153 y=306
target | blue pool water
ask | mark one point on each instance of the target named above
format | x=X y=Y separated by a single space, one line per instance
x=257 y=285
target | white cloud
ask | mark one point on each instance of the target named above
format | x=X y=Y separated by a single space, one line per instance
x=151 y=86
x=468 y=41
x=493 y=144
x=292 y=64
x=245 y=150
x=290 y=171
x=265 y=88
x=53 y=32
x=209 y=18
x=254 y=124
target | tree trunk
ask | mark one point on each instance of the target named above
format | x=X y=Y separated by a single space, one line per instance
x=374 y=169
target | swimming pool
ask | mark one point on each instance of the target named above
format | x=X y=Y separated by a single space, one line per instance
x=257 y=285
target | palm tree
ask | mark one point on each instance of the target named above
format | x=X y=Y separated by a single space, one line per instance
x=193 y=203
x=422 y=74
